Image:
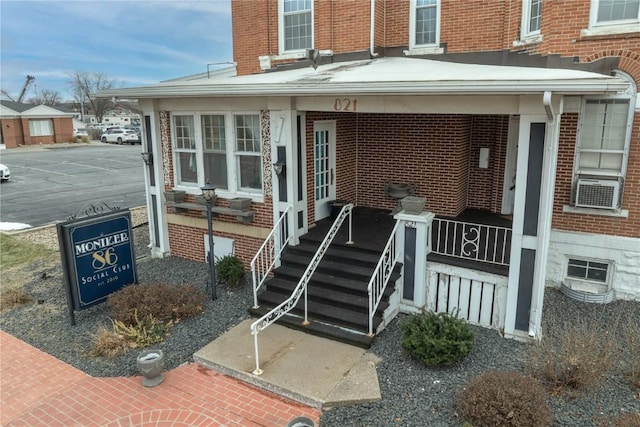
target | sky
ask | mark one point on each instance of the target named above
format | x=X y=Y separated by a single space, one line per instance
x=133 y=42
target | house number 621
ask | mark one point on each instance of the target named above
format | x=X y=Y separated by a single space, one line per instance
x=345 y=104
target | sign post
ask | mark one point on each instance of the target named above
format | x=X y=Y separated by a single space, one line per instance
x=97 y=257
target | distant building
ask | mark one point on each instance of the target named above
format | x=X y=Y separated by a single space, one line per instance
x=27 y=124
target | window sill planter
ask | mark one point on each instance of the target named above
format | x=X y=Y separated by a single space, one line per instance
x=174 y=196
x=240 y=203
x=413 y=205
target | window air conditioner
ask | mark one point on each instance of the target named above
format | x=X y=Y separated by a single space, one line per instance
x=598 y=193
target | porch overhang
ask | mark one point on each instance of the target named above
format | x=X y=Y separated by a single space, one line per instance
x=386 y=76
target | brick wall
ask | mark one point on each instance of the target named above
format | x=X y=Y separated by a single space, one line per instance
x=430 y=151
x=12 y=135
x=466 y=26
x=485 y=185
x=188 y=242
x=628 y=227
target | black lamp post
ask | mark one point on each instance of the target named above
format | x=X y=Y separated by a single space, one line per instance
x=208 y=192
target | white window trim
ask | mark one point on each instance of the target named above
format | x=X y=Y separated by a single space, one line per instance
x=175 y=151
x=631 y=95
x=526 y=20
x=527 y=37
x=233 y=189
x=416 y=49
x=37 y=127
x=296 y=53
x=609 y=27
x=588 y=282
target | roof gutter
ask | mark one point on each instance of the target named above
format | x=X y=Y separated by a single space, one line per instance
x=381 y=88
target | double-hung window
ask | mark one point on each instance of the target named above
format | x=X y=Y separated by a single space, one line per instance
x=186 y=172
x=248 y=152
x=41 y=127
x=615 y=16
x=222 y=149
x=214 y=150
x=296 y=25
x=424 y=25
x=603 y=137
x=602 y=149
x=531 y=18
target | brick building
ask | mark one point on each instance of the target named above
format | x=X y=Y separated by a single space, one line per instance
x=26 y=124
x=525 y=111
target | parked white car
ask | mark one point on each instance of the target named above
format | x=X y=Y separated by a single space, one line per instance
x=120 y=136
x=5 y=173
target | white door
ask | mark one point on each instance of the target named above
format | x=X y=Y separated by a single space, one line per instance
x=324 y=165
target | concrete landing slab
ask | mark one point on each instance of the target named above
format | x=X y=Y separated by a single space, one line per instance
x=312 y=370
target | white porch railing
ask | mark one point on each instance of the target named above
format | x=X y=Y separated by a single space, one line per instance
x=381 y=274
x=269 y=254
x=478 y=242
x=286 y=306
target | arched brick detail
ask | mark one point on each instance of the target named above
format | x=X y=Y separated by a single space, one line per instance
x=629 y=61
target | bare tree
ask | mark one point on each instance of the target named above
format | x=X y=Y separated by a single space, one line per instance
x=46 y=97
x=84 y=86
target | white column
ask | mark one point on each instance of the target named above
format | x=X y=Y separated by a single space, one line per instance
x=422 y=224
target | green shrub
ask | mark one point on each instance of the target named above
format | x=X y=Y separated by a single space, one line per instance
x=144 y=332
x=162 y=301
x=230 y=270
x=504 y=399
x=437 y=338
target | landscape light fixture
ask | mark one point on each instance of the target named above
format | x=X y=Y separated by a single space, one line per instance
x=208 y=193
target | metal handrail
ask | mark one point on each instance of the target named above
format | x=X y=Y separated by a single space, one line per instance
x=467 y=240
x=268 y=255
x=286 y=306
x=381 y=275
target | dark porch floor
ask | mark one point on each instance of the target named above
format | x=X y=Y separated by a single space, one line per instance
x=371 y=228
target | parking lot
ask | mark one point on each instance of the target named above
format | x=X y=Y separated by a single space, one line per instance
x=50 y=183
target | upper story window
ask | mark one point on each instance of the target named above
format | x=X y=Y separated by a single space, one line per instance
x=613 y=17
x=223 y=149
x=296 y=25
x=424 y=24
x=615 y=11
x=531 y=18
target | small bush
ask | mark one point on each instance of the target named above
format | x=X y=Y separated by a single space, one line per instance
x=144 y=332
x=162 y=301
x=630 y=354
x=576 y=357
x=626 y=420
x=437 y=338
x=11 y=297
x=108 y=343
x=230 y=270
x=504 y=399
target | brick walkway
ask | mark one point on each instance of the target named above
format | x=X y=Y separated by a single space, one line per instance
x=39 y=390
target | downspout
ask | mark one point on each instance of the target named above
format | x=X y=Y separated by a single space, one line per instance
x=547 y=189
x=372 y=26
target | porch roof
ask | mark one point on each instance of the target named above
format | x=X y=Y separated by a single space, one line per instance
x=388 y=76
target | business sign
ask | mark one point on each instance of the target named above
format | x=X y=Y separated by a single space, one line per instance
x=97 y=257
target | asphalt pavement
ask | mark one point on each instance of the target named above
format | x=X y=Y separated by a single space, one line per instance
x=50 y=183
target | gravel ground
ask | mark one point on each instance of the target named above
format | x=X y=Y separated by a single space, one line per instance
x=412 y=394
